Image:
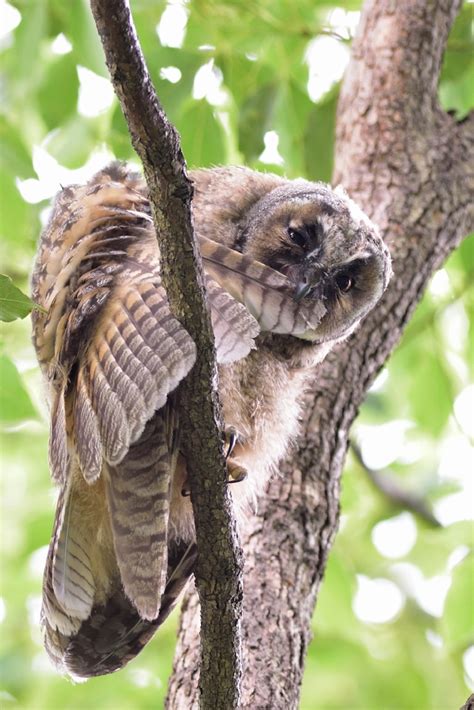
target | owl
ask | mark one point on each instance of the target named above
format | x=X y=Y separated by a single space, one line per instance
x=291 y=268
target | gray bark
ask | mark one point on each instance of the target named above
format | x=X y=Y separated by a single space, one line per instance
x=411 y=168
x=218 y=571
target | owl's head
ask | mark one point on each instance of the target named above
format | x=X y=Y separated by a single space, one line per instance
x=325 y=245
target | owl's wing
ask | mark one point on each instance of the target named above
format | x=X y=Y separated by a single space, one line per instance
x=112 y=354
x=267 y=294
x=108 y=424
x=120 y=436
x=114 y=633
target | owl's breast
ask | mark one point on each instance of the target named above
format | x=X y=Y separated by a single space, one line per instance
x=261 y=399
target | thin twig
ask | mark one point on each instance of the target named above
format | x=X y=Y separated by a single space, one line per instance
x=218 y=573
x=389 y=487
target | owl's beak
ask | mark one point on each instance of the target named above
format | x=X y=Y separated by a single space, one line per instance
x=311 y=278
x=302 y=289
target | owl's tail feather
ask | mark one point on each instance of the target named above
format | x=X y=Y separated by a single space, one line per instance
x=114 y=633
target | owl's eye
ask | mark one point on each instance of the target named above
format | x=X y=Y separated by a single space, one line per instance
x=344 y=282
x=297 y=237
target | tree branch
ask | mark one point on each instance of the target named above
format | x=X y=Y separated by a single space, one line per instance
x=155 y=140
x=393 y=153
x=391 y=489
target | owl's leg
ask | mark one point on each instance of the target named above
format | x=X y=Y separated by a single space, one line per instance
x=236 y=472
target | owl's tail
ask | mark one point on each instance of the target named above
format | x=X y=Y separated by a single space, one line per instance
x=114 y=633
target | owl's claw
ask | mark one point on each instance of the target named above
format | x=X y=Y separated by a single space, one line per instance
x=231 y=437
x=236 y=472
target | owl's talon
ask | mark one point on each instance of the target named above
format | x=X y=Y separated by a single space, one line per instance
x=236 y=473
x=232 y=437
x=238 y=479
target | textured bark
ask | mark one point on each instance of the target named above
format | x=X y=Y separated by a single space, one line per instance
x=411 y=168
x=218 y=572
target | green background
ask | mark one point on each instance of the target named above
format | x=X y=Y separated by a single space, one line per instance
x=412 y=659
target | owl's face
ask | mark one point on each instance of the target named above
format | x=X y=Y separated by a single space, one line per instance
x=322 y=242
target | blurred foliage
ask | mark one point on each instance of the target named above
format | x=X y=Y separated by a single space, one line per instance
x=257 y=60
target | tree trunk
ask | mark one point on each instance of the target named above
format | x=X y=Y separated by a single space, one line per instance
x=410 y=167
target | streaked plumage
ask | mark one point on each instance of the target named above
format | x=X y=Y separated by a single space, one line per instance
x=291 y=268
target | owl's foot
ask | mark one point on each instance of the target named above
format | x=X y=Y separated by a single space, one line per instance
x=236 y=472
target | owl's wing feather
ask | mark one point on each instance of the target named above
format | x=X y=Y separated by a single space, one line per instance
x=55 y=603
x=235 y=329
x=138 y=355
x=114 y=633
x=58 y=445
x=138 y=499
x=72 y=579
x=87 y=441
x=266 y=293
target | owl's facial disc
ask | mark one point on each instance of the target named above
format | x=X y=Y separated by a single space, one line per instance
x=348 y=289
x=329 y=251
x=314 y=279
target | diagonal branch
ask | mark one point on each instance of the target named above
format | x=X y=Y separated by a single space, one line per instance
x=218 y=575
x=393 y=491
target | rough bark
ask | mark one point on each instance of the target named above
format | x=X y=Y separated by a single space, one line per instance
x=156 y=142
x=411 y=168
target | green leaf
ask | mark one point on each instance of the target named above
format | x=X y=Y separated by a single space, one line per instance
x=13 y=302
x=458 y=620
x=335 y=598
x=202 y=136
x=458 y=95
x=434 y=545
x=15 y=213
x=319 y=139
x=119 y=136
x=14 y=155
x=419 y=377
x=174 y=96
x=15 y=402
x=82 y=32
x=61 y=73
x=29 y=35
x=255 y=119
x=19 y=227
x=456 y=86
x=292 y=108
x=72 y=143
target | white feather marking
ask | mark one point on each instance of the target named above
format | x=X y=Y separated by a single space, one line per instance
x=73 y=583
